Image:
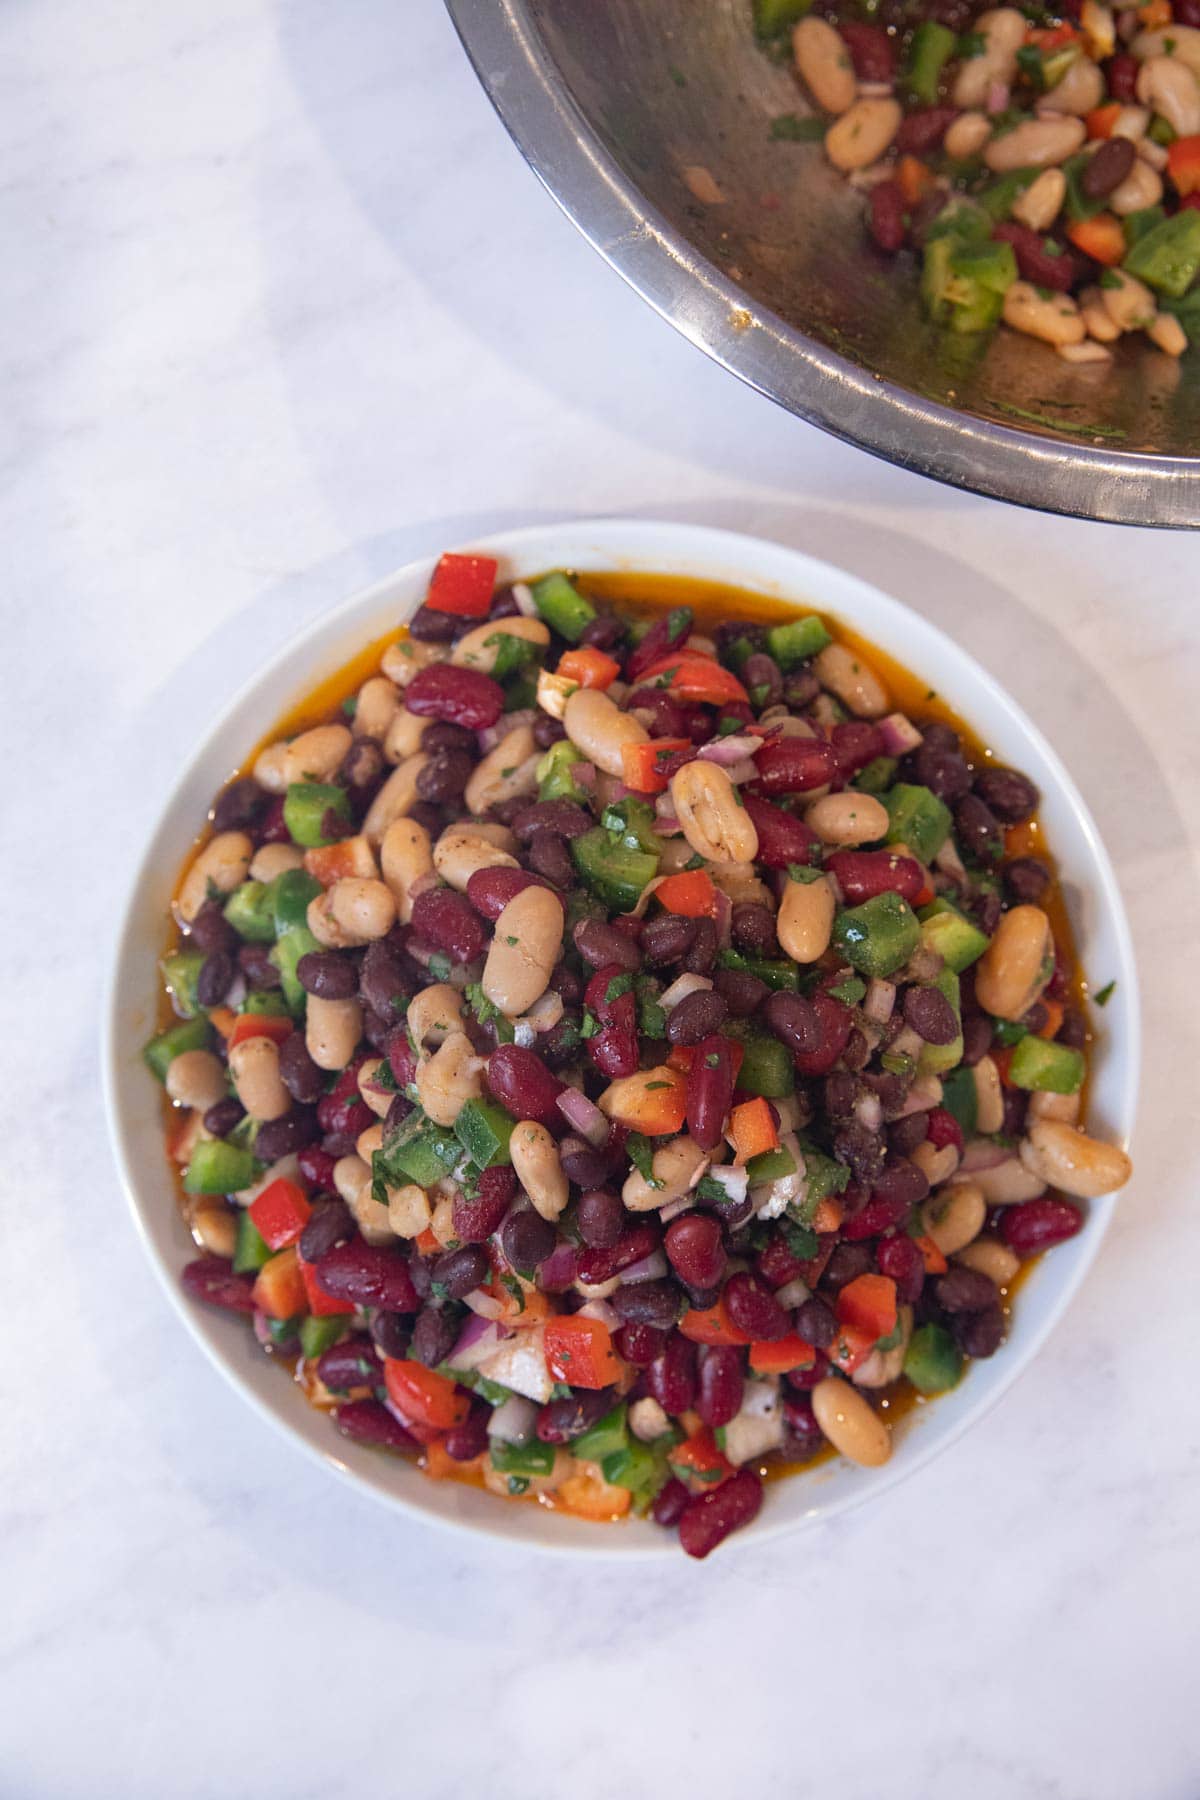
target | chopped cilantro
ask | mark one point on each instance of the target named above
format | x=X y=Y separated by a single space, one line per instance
x=709 y=1188
x=1105 y=994
x=790 y=128
x=439 y=966
x=620 y=984
x=801 y=1240
x=641 y=1155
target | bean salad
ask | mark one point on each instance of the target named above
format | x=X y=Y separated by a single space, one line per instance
x=1040 y=165
x=611 y=1055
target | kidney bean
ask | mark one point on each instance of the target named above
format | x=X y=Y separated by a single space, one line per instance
x=272 y=827
x=782 y=837
x=238 y=806
x=979 y=1334
x=871 y=50
x=720 y=1383
x=836 y=1023
x=963 y=1290
x=847 y=1263
x=800 y=688
x=352 y=1363
x=442 y=779
x=602 y=946
x=753 y=1308
x=639 y=1344
x=697 y=1016
x=669 y=717
x=329 y=1223
x=793 y=765
x=1122 y=73
x=547 y=731
x=668 y=633
x=343 y=1112
x=776 y=1263
x=803 y=1380
x=979 y=832
x=434 y=1335
x=559 y=1421
x=597 y=1266
x=855 y=743
x=815 y=1323
x=669 y=1503
x=656 y=1303
x=671 y=1376
x=802 y=1436
x=901 y=1183
x=211 y=1279
x=463 y=696
x=1035 y=262
x=368 y=1275
x=1011 y=796
x=327 y=974
x=284 y=1137
x=710 y=1085
x=527 y=1240
x=666 y=939
x=1037 y=1224
x=490 y=890
x=370 y=1422
x=391 y=1333
x=449 y=923
x=923 y=130
x=317 y=1169
x=695 y=1249
x=862 y=874
x=901 y=1261
x=708 y=1519
x=221 y=1118
x=930 y=1015
x=210 y=930
x=600 y=1217
x=524 y=1086
x=548 y=857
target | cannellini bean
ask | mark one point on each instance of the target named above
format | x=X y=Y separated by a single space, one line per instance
x=196 y=1078
x=1067 y=1158
x=1096 y=317
x=479 y=649
x=936 y=1165
x=404 y=735
x=332 y=1029
x=539 y=1169
x=369 y=1141
x=442 y=1222
x=848 y=818
x=966 y=135
x=647 y=1420
x=715 y=823
x=1179 y=41
x=395 y=799
x=1080 y=90
x=404 y=660
x=1129 y=303
x=524 y=949
x=364 y=909
x=254 y=1067
x=506 y=773
x=676 y=1166
x=989 y=1097
x=1003 y=34
x=1089 y=351
x=824 y=66
x=1132 y=122
x=1168 y=334
x=955 y=1218
x=316 y=755
x=1014 y=969
x=356 y=857
x=738 y=880
x=988 y=1256
x=214 y=1227
x=324 y=927
x=350 y=1174
x=433 y=1015
x=405 y=856
x=599 y=729
x=1035 y=144
x=222 y=864
x=270 y=860
x=854 y=681
x=1054 y=1106
x=862 y=134
x=463 y=849
x=377 y=705
x=1168 y=86
x=270 y=768
x=1041 y=203
x=370 y=1215
x=851 y=1423
x=805 y=919
x=376 y=1098
x=1142 y=187
x=449 y=1078
x=1152 y=153
x=1008 y=1183
x=408 y=1211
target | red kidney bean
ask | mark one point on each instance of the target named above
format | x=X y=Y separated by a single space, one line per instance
x=923 y=130
x=943 y=1128
x=401 y=1057
x=1122 y=73
x=709 y=1518
x=900 y=1260
x=600 y=1217
x=670 y=719
x=668 y=633
x=524 y=1086
x=272 y=827
x=719 y=1388
x=836 y=1022
x=490 y=890
x=470 y=1439
x=603 y=947
x=776 y=1263
x=1037 y=1224
x=560 y=1421
x=368 y=1275
x=793 y=765
x=669 y=1503
x=782 y=837
x=329 y=1223
x=671 y=1377
x=871 y=50
x=448 y=922
x=614 y=1049
x=370 y=1422
x=979 y=1334
x=855 y=743
x=710 y=1085
x=599 y=1266
x=753 y=1308
x=862 y=874
x=878 y=1215
x=1035 y=262
x=351 y=1364
x=549 y=857
x=639 y=1344
x=211 y=1278
x=463 y=696
x=815 y=1323
x=805 y=1379
x=802 y=1436
x=695 y=1249
x=656 y=1303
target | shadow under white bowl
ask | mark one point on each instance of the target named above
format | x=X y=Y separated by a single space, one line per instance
x=1102 y=936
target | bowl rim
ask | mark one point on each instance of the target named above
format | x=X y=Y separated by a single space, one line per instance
x=798 y=372
x=631 y=544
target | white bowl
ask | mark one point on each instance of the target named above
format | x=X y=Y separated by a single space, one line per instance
x=1102 y=935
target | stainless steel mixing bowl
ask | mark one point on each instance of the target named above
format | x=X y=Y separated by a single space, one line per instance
x=627 y=108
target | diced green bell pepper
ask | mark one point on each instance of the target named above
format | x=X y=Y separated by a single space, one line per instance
x=878 y=937
x=483 y=1129
x=294 y=943
x=956 y=940
x=181 y=972
x=317 y=1335
x=555 y=780
x=1168 y=257
x=531 y=1459
x=613 y=872
x=935 y=1059
x=250 y=910
x=251 y=1250
x=930 y=50
x=773 y=17
x=795 y=642
x=1046 y=1067
x=932 y=1362
x=291 y=895
x=606 y=1437
x=960 y=1097
x=562 y=606
x=305 y=806
x=161 y=1051
x=767 y=1067
x=918 y=819
x=639 y=1468
x=631 y=824
x=964 y=282
x=877 y=776
x=1137 y=224
x=419 y=1151
x=1161 y=131
x=998 y=198
x=219 y=1167
x=1079 y=203
x=771 y=1165
x=776 y=972
x=244 y=1132
x=266 y=1004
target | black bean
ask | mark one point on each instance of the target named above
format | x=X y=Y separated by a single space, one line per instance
x=742 y=992
x=985 y=907
x=701 y=955
x=392 y=1333
x=585 y=1166
x=847 y=1263
x=1106 y=170
x=431 y=817
x=666 y=939
x=527 y=1240
x=1025 y=879
x=504 y=604
x=1011 y=796
x=254 y=960
x=906 y=1134
x=930 y=1015
x=900 y=1182
x=600 y=1217
x=459 y=1272
x=561 y=1420
x=434 y=1335
x=377 y=1029
x=442 y=735
x=221 y=1118
x=697 y=1016
x=732 y=1213
x=328 y=975
x=443 y=777
x=978 y=1334
x=815 y=1323
x=399 y=1109
x=382 y=980
x=1073 y=1030
x=862 y=1150
x=980 y=837
x=856 y=1051
x=329 y=1224
x=283 y=1137
x=977 y=1037
x=794 y=1021
x=730 y=631
x=238 y=806
x=656 y=1303
x=559 y=1047
x=839 y=1094
x=752 y=928
x=300 y=1075
x=566 y=984
x=560 y=816
x=763 y=680
x=421 y=1275
x=962 y=1290
x=1015 y=1103
x=548 y=856
x=939 y=765
x=547 y=731
x=362 y=765
x=211 y=930
x=800 y=689
x=602 y=632
x=600 y=944
x=216 y=974
x=431 y=627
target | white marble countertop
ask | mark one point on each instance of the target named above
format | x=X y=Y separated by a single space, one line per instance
x=281 y=308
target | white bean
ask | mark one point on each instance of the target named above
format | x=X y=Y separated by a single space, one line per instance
x=1014 y=969
x=1167 y=86
x=805 y=920
x=1069 y=1159
x=214 y=1227
x=408 y=1211
x=316 y=755
x=524 y=949
x=1066 y=1107
x=966 y=135
x=988 y=1256
x=848 y=818
x=1179 y=41
x=539 y=1168
x=196 y=1078
x=462 y=850
x=1035 y=144
x=479 y=649
x=377 y=705
x=433 y=1015
x=824 y=66
x=364 y=909
x=395 y=799
x=936 y=1165
x=1168 y=334
x=270 y=860
x=674 y=1167
x=222 y=864
x=403 y=661
x=350 y=1174
x=378 y=1099
x=854 y=681
x=1003 y=34
x=506 y=773
x=1042 y=201
x=1129 y=303
x=1080 y=91
x=1142 y=187
x=1008 y=1183
x=254 y=1067
x=715 y=823
x=989 y=1097
x=953 y=1219
x=449 y=1078
x=404 y=735
x=405 y=856
x=862 y=134
x=599 y=729
x=332 y=1029
x=1087 y=351
x=851 y=1423
x=270 y=768
x=1096 y=317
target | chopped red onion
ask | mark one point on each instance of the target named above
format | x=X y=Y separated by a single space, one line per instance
x=742 y=770
x=950 y=862
x=650 y=1268
x=899 y=734
x=981 y=1153
x=487 y=739
x=583 y=774
x=868 y=1110
x=792 y=1294
x=514 y=1420
x=526 y=604
x=584 y=1116
x=666 y=821
x=557 y=1273
x=478 y=1338
x=723 y=918
x=729 y=750
x=997 y=97
x=879 y=1002
x=681 y=987
x=673 y=1208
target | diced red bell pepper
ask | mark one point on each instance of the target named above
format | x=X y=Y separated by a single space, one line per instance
x=280 y=1213
x=683 y=1055
x=850 y=1349
x=250 y=1025
x=698 y=1463
x=785 y=1354
x=868 y=1304
x=689 y=676
x=320 y=1304
x=463 y=585
x=1101 y=119
x=423 y=1396
x=1183 y=164
x=691 y=893
x=653 y=1101
x=279 y=1288
x=1102 y=238
x=711 y=1325
x=580 y=1352
x=931 y=1256
x=752 y=1129
x=588 y=667
x=642 y=764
